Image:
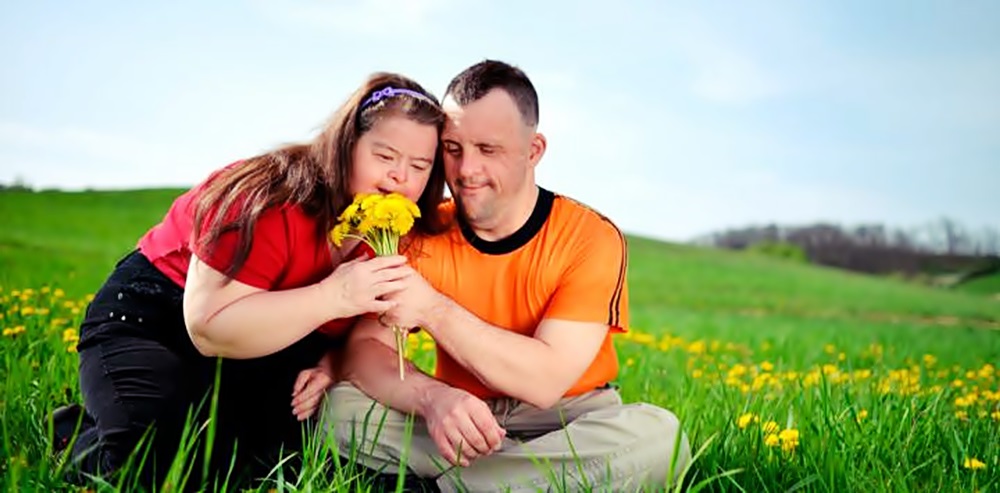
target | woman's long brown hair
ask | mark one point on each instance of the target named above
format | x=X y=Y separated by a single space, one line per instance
x=315 y=175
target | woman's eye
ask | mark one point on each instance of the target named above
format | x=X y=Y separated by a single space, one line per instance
x=384 y=157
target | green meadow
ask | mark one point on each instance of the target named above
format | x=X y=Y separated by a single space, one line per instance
x=786 y=376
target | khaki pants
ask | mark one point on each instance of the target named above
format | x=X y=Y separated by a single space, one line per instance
x=606 y=446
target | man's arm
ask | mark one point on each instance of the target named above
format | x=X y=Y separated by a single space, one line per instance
x=591 y=297
x=461 y=425
x=371 y=365
x=537 y=370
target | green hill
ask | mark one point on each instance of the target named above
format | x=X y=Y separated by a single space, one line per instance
x=985 y=285
x=72 y=239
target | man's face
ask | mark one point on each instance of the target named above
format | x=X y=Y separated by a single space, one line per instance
x=487 y=156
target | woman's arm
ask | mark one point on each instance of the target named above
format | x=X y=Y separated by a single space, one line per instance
x=236 y=320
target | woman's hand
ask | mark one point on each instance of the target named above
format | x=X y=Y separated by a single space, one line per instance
x=312 y=384
x=358 y=287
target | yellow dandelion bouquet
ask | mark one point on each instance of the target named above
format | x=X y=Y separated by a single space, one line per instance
x=379 y=220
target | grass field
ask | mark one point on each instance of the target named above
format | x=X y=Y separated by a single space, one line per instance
x=791 y=377
x=986 y=285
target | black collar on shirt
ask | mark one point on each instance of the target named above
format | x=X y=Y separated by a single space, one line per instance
x=543 y=207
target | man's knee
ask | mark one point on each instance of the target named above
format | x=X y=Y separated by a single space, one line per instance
x=669 y=451
x=351 y=416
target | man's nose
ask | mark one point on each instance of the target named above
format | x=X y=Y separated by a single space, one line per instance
x=468 y=166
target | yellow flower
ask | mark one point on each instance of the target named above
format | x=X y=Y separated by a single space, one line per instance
x=367 y=200
x=70 y=335
x=789 y=439
x=771 y=440
x=13 y=331
x=744 y=420
x=697 y=347
x=973 y=464
x=862 y=414
x=401 y=224
x=366 y=226
x=995 y=415
x=770 y=427
x=338 y=233
x=349 y=212
x=767 y=366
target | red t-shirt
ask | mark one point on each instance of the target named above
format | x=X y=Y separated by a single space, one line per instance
x=285 y=253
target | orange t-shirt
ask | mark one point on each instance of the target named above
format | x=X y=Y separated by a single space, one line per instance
x=567 y=262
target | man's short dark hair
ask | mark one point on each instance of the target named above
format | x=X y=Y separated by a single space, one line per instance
x=474 y=82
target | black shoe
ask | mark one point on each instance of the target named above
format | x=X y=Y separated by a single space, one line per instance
x=65 y=420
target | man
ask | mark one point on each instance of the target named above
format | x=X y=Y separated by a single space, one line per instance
x=521 y=295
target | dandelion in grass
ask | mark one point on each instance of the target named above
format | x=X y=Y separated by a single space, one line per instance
x=772 y=440
x=744 y=420
x=380 y=221
x=862 y=414
x=70 y=335
x=974 y=464
x=13 y=331
x=789 y=439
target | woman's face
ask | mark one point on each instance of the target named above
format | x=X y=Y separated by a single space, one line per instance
x=395 y=155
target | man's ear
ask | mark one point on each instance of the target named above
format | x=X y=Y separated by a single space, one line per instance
x=536 y=149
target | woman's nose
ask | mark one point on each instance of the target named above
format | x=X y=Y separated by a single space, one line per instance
x=397 y=173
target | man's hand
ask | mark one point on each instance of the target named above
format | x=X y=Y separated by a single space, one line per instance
x=461 y=425
x=311 y=385
x=413 y=302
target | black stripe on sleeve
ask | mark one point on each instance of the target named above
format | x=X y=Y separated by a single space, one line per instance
x=614 y=305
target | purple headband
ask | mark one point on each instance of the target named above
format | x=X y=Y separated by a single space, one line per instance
x=389 y=92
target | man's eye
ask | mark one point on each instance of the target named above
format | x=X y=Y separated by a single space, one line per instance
x=384 y=157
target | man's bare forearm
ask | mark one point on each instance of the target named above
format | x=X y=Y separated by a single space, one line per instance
x=371 y=366
x=516 y=365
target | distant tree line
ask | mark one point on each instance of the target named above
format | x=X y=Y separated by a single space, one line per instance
x=940 y=247
x=17 y=185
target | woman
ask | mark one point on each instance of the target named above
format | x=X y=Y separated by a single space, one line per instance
x=234 y=283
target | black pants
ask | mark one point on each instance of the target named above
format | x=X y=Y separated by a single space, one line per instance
x=140 y=373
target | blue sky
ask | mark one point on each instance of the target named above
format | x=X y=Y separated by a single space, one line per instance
x=674 y=119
